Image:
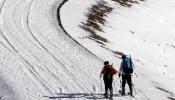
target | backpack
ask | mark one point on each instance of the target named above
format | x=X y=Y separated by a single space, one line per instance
x=127 y=66
x=108 y=75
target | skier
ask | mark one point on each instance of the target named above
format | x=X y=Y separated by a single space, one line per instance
x=108 y=71
x=126 y=70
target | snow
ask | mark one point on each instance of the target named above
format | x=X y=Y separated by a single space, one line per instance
x=145 y=31
x=39 y=61
x=37 y=58
x=6 y=92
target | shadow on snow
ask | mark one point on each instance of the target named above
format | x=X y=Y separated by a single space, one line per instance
x=78 y=95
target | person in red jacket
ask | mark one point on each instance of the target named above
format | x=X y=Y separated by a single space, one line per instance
x=108 y=71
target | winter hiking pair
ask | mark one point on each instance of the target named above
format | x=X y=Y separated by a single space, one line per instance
x=125 y=72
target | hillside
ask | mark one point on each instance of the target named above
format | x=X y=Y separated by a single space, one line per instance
x=46 y=54
x=144 y=30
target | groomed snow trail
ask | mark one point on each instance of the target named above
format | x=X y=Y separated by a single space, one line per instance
x=38 y=60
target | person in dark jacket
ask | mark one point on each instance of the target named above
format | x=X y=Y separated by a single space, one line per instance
x=108 y=71
x=126 y=77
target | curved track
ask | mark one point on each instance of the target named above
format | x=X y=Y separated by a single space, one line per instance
x=38 y=57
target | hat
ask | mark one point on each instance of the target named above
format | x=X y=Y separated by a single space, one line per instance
x=124 y=56
x=106 y=62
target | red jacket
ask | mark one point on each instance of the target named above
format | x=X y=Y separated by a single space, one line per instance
x=114 y=71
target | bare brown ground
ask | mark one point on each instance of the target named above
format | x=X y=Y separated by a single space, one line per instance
x=127 y=3
x=96 y=19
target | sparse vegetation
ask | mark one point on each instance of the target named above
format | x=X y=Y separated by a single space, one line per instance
x=171 y=98
x=95 y=20
x=118 y=53
x=98 y=41
x=171 y=45
x=132 y=32
x=127 y=3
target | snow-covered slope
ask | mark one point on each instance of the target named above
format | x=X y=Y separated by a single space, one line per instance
x=38 y=60
x=146 y=31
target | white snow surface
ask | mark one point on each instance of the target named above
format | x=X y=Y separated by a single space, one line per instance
x=146 y=31
x=38 y=61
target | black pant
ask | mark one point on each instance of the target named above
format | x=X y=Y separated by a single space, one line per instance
x=126 y=78
x=108 y=85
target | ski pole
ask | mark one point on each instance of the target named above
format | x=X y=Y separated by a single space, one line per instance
x=133 y=85
x=134 y=88
x=101 y=84
x=115 y=85
x=136 y=75
x=120 y=85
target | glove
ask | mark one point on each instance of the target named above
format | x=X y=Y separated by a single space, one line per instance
x=119 y=75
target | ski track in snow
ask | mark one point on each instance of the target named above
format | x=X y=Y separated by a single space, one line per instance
x=38 y=58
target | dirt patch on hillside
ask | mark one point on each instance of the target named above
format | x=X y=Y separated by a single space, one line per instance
x=95 y=18
x=127 y=3
x=171 y=97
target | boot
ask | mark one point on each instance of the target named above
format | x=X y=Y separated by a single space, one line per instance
x=123 y=91
x=111 y=93
x=131 y=90
x=106 y=94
